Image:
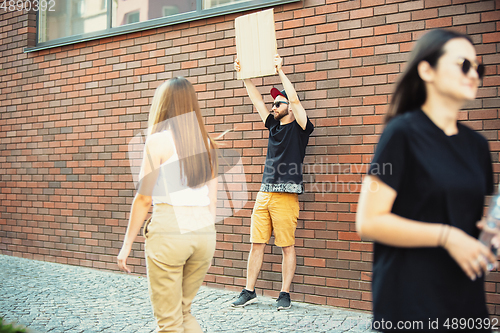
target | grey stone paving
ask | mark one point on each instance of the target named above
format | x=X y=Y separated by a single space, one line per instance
x=49 y=297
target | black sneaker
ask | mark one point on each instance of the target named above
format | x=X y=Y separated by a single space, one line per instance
x=283 y=301
x=246 y=297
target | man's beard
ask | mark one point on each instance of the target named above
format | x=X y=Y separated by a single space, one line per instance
x=280 y=115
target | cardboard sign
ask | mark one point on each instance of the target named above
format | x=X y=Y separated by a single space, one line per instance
x=256 y=44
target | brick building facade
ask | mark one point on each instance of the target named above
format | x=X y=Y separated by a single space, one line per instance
x=68 y=113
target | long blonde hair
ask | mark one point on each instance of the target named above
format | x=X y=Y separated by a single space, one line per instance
x=175 y=101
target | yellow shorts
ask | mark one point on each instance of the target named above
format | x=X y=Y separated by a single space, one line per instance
x=278 y=212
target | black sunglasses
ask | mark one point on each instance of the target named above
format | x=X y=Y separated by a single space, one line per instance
x=278 y=104
x=467 y=65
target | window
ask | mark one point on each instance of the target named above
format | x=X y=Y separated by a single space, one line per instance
x=71 y=17
x=170 y=10
x=149 y=9
x=216 y=3
x=132 y=17
x=72 y=21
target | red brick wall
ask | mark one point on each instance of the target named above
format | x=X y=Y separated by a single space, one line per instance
x=67 y=114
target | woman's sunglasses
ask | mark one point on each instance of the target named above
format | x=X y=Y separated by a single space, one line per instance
x=467 y=65
x=278 y=104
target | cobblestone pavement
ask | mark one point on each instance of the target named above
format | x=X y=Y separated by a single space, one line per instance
x=50 y=297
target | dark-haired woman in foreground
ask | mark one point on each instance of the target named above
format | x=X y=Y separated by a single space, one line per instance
x=424 y=194
x=179 y=176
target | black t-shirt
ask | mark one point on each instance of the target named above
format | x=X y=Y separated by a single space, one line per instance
x=286 y=149
x=438 y=179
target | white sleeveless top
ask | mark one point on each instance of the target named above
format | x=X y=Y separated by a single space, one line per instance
x=170 y=190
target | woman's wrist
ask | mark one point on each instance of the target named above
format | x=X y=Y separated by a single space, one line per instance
x=444 y=234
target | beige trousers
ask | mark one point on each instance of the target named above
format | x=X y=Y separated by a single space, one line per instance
x=177 y=260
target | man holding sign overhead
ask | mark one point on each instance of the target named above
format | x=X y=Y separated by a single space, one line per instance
x=277 y=205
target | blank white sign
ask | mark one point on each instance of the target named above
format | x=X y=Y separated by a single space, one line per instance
x=256 y=44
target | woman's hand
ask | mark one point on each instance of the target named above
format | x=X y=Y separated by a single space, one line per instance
x=278 y=62
x=469 y=253
x=495 y=240
x=122 y=259
x=237 y=66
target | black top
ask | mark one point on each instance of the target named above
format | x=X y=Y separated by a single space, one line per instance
x=286 y=149
x=438 y=179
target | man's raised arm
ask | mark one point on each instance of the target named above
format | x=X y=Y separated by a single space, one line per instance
x=254 y=95
x=298 y=110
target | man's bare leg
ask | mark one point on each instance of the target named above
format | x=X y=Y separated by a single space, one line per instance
x=288 y=267
x=255 y=259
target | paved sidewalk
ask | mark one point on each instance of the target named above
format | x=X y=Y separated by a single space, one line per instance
x=49 y=297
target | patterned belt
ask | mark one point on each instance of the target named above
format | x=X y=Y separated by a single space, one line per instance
x=288 y=188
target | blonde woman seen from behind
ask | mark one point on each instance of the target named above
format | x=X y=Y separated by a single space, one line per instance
x=179 y=177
